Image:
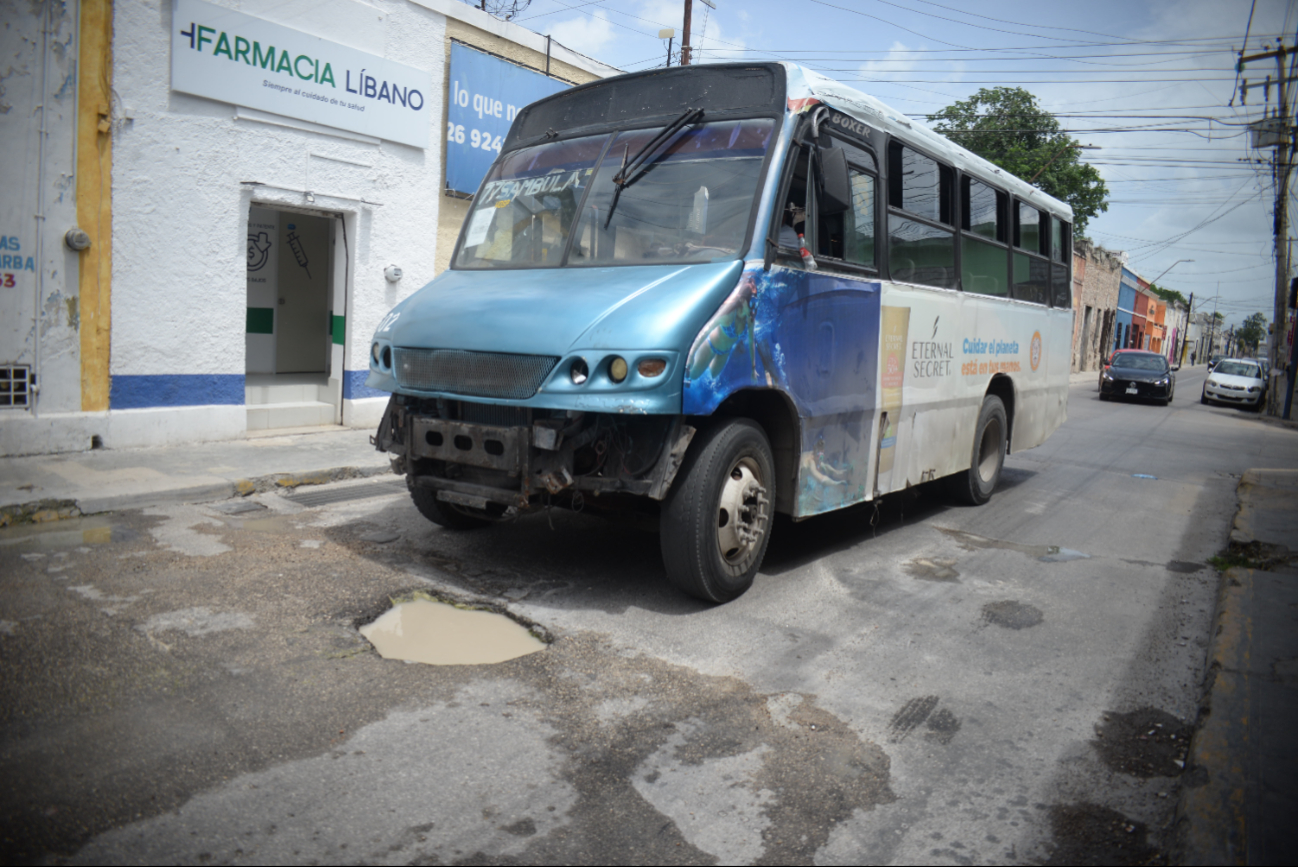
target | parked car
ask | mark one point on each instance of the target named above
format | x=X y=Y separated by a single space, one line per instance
x=1139 y=374
x=1212 y=361
x=1235 y=381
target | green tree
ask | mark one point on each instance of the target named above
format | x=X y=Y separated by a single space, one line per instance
x=1252 y=332
x=1167 y=294
x=1006 y=126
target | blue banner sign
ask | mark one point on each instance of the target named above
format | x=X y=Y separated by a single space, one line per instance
x=485 y=95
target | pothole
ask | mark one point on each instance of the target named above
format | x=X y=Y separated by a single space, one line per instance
x=437 y=633
x=1146 y=742
x=1011 y=614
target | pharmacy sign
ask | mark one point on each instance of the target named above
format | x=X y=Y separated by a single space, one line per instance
x=228 y=56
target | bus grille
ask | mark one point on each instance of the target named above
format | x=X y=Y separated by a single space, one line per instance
x=481 y=374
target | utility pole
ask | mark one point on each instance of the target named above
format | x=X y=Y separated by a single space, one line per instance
x=1185 y=337
x=685 y=34
x=1277 y=133
x=1212 y=334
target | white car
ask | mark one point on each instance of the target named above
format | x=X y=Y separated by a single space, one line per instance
x=1235 y=382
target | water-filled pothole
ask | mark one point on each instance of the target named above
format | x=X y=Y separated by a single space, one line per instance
x=69 y=533
x=423 y=630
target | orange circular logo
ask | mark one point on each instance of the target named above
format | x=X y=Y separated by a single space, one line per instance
x=1034 y=352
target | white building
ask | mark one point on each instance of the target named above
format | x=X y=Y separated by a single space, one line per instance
x=210 y=206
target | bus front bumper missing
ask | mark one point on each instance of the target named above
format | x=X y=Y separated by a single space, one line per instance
x=535 y=458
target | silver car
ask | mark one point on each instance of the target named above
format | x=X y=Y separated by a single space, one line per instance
x=1234 y=381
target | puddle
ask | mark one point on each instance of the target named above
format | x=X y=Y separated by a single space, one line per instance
x=63 y=534
x=439 y=634
x=1044 y=553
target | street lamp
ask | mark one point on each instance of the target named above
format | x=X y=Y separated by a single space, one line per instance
x=1169 y=268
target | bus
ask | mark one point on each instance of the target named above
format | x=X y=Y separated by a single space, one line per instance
x=716 y=293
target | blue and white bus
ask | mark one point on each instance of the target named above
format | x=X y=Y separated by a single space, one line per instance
x=721 y=292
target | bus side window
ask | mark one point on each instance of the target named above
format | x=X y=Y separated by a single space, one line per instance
x=984 y=262
x=1061 y=285
x=794 y=209
x=920 y=249
x=1031 y=269
x=858 y=232
x=850 y=236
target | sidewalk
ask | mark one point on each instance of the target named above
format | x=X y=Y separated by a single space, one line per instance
x=1240 y=796
x=48 y=487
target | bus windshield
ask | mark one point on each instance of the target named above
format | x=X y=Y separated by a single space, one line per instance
x=691 y=201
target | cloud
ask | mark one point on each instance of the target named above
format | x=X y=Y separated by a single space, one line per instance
x=899 y=59
x=588 y=34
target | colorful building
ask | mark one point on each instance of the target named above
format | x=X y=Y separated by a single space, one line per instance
x=1140 y=318
x=1128 y=292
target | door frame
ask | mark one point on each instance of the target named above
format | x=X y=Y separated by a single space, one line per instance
x=339 y=286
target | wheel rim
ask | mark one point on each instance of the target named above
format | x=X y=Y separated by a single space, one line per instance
x=743 y=513
x=989 y=451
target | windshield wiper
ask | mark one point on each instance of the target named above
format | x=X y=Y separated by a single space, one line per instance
x=634 y=168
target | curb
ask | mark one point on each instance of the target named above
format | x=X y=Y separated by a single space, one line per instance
x=1211 y=812
x=43 y=511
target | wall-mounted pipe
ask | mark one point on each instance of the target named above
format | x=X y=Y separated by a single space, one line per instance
x=38 y=289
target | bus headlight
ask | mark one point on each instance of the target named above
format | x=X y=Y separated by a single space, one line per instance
x=617 y=369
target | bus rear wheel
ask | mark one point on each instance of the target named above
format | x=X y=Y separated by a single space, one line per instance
x=716 y=520
x=975 y=486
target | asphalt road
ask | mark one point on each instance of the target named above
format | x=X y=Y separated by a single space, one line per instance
x=922 y=684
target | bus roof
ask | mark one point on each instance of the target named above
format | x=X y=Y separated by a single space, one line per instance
x=804 y=84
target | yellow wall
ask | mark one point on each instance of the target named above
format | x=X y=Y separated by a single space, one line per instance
x=454 y=209
x=94 y=191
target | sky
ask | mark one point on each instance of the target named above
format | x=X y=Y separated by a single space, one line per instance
x=1151 y=83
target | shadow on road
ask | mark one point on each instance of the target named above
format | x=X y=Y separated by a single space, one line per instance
x=574 y=561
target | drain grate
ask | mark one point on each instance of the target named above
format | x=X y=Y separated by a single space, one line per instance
x=384 y=488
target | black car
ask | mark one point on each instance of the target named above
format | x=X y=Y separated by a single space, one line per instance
x=1138 y=374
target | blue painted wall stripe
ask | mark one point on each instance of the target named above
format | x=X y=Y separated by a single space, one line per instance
x=176 y=389
x=354 y=387
x=203 y=389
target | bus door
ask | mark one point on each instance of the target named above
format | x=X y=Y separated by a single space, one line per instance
x=828 y=333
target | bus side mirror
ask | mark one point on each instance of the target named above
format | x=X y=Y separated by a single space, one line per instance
x=835 y=196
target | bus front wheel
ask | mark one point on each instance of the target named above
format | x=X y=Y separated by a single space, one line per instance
x=975 y=486
x=716 y=520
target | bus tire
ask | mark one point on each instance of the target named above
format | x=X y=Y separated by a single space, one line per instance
x=974 y=486
x=443 y=514
x=716 y=520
